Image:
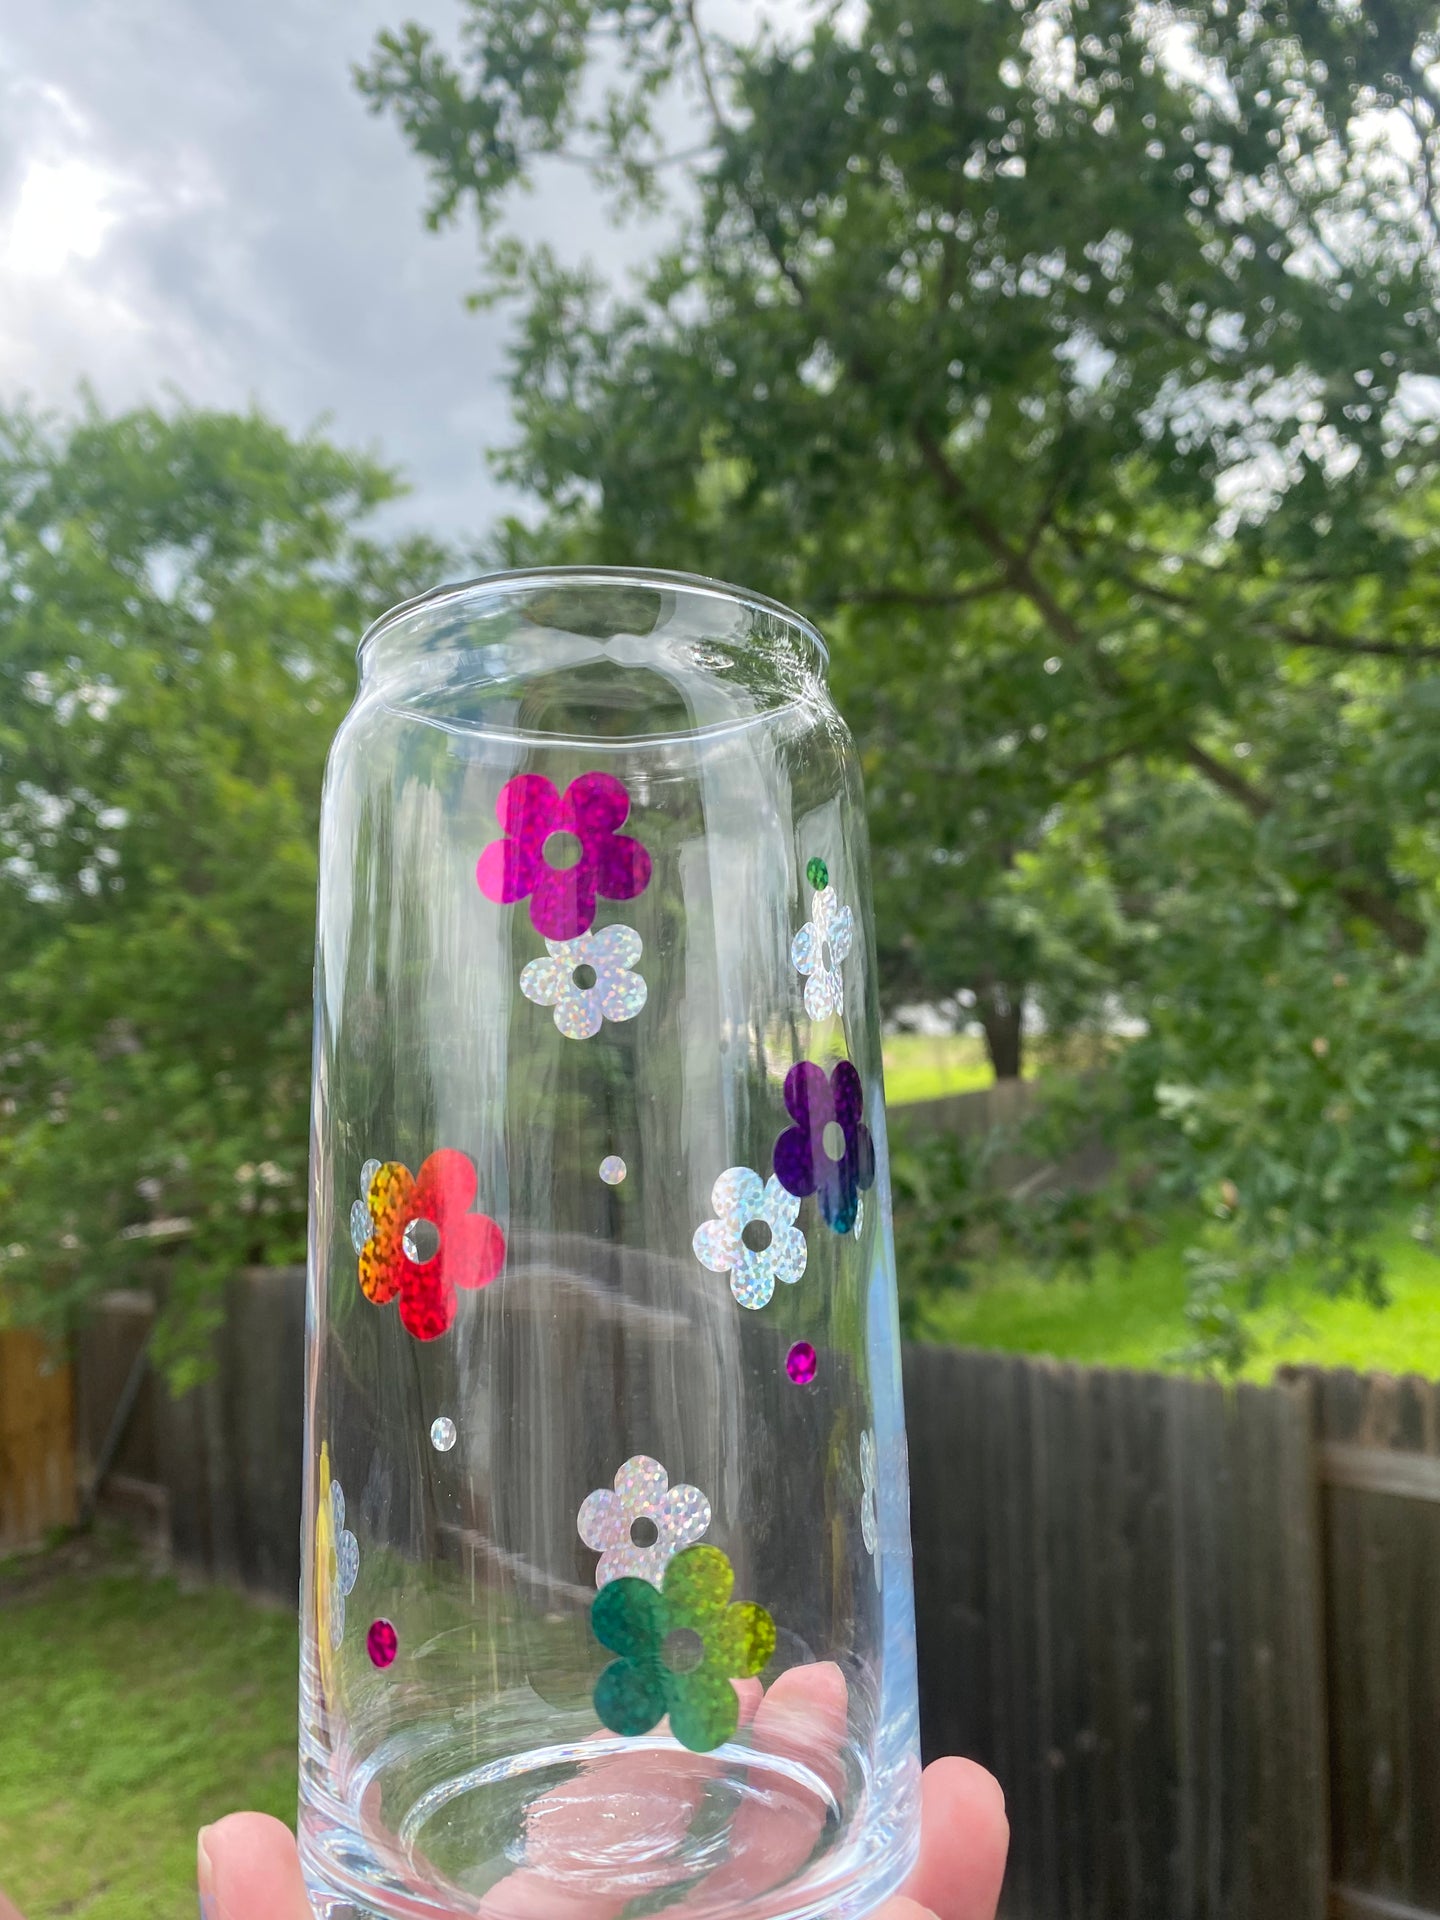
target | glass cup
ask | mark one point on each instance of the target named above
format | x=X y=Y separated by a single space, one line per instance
x=607 y=1598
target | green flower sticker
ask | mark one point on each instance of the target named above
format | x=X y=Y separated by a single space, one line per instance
x=680 y=1647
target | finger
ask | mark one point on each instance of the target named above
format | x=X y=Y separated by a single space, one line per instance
x=802 y=1721
x=964 y=1837
x=248 y=1869
x=902 y=1907
x=615 y=1831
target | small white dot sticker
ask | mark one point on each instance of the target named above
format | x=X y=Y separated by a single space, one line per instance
x=612 y=1170
x=442 y=1434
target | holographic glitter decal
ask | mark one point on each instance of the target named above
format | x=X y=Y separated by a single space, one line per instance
x=817 y=951
x=680 y=1647
x=562 y=852
x=347 y=1563
x=382 y=1643
x=640 y=1527
x=588 y=980
x=360 y=1209
x=424 y=1242
x=612 y=1169
x=337 y=1566
x=753 y=1236
x=442 y=1433
x=817 y=873
x=804 y=1160
x=869 y=1526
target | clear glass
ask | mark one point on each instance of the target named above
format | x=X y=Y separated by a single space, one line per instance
x=607 y=1597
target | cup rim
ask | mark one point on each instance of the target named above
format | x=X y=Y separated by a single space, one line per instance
x=698 y=583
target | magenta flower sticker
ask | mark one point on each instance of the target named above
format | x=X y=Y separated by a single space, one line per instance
x=828 y=1151
x=562 y=852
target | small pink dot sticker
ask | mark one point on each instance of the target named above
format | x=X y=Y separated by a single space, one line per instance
x=382 y=1643
x=801 y=1363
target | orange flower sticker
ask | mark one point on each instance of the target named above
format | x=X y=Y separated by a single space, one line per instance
x=423 y=1241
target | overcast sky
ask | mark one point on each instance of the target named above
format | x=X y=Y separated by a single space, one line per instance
x=192 y=194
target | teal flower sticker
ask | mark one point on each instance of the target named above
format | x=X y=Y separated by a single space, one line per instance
x=680 y=1646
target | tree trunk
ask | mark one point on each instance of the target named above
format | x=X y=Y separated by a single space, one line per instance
x=1001 y=1010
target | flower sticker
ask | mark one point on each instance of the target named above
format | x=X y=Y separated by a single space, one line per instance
x=424 y=1242
x=828 y=1151
x=347 y=1563
x=680 y=1646
x=869 y=1526
x=588 y=980
x=753 y=1236
x=640 y=1527
x=818 y=949
x=337 y=1566
x=360 y=1222
x=562 y=851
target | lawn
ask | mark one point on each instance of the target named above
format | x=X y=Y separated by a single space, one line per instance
x=133 y=1714
x=1130 y=1314
x=921 y=1066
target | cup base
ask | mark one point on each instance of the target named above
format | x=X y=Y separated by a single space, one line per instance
x=590 y=1827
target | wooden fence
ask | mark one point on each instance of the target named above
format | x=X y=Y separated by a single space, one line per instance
x=1119 y=1612
x=1194 y=1630
x=37 y=1452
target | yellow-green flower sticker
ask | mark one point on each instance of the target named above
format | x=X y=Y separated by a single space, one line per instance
x=680 y=1647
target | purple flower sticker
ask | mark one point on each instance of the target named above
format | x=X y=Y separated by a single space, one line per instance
x=561 y=852
x=828 y=1151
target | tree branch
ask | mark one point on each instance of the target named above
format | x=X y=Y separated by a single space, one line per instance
x=702 y=64
x=1371 y=903
x=1014 y=564
x=1255 y=803
x=1402 y=929
x=1324 y=639
x=905 y=597
x=1338 y=643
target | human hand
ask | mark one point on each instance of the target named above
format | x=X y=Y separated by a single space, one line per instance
x=249 y=1869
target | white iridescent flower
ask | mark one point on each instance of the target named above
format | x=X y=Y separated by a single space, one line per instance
x=817 y=950
x=347 y=1563
x=869 y=1526
x=361 y=1225
x=587 y=980
x=750 y=1210
x=639 y=1528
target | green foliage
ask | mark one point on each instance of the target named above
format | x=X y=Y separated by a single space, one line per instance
x=134 y=1714
x=966 y=1205
x=179 y=600
x=1128 y=1311
x=1076 y=363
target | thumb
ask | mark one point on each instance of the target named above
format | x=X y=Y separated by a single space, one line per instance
x=248 y=1869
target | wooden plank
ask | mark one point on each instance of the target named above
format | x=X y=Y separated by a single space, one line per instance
x=1353 y=1903
x=1408 y=1476
x=1382 y=1585
x=1142 y=1557
x=37 y=1443
x=1284 y=1839
x=114 y=1332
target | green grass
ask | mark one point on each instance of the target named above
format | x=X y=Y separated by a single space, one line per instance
x=132 y=1714
x=918 y=1067
x=1130 y=1314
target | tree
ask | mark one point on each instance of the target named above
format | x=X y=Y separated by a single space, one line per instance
x=179 y=600
x=1077 y=362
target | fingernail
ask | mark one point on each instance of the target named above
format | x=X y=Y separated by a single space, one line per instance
x=205 y=1875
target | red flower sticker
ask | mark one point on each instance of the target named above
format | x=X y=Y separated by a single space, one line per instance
x=561 y=852
x=424 y=1242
